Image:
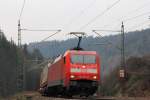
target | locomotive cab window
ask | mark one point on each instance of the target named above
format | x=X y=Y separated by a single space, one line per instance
x=83 y=59
x=89 y=59
x=76 y=59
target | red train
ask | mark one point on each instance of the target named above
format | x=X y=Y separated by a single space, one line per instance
x=76 y=72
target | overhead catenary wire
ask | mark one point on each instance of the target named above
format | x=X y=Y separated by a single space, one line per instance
x=57 y=31
x=22 y=8
x=76 y=18
x=43 y=30
x=19 y=24
x=127 y=14
x=133 y=11
x=128 y=19
x=108 y=42
x=139 y=25
x=132 y=18
x=99 y=15
x=106 y=30
x=50 y=35
x=137 y=9
x=24 y=29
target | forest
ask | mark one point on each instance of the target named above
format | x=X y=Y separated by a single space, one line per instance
x=11 y=57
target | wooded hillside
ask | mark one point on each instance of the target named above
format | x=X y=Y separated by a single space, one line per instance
x=136 y=44
x=137 y=82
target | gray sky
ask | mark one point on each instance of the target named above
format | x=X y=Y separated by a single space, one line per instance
x=71 y=15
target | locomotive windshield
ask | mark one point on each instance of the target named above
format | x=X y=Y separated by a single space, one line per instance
x=83 y=59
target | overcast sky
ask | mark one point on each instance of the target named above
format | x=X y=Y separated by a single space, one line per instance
x=71 y=15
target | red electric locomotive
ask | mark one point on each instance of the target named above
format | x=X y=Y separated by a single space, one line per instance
x=77 y=72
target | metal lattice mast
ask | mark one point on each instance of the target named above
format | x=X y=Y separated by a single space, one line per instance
x=20 y=74
x=122 y=71
x=122 y=47
x=19 y=34
x=20 y=68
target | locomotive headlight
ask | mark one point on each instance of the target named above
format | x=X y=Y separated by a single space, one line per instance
x=94 y=77
x=72 y=76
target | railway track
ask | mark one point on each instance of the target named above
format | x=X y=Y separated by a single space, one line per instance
x=99 y=98
x=37 y=96
x=57 y=98
x=92 y=98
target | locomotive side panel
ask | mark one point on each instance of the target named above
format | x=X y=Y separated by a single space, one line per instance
x=56 y=73
x=66 y=69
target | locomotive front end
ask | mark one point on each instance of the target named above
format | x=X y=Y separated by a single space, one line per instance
x=84 y=72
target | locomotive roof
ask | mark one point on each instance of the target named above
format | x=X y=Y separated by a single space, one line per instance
x=80 y=52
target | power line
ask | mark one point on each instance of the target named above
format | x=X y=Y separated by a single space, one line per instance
x=99 y=15
x=22 y=9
